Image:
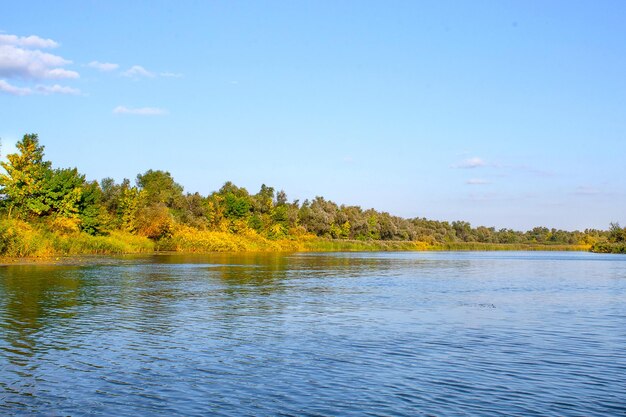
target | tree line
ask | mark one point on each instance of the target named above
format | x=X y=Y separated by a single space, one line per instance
x=154 y=206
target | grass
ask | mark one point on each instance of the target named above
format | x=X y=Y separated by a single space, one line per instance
x=190 y=240
x=478 y=246
x=330 y=245
x=20 y=239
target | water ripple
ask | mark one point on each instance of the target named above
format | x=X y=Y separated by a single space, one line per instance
x=400 y=334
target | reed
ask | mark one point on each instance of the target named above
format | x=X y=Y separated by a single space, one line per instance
x=188 y=239
x=330 y=245
x=478 y=246
x=22 y=239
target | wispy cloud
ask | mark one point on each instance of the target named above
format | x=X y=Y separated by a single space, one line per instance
x=532 y=170
x=587 y=190
x=140 y=111
x=470 y=163
x=477 y=181
x=31 y=41
x=137 y=71
x=477 y=162
x=8 y=88
x=171 y=75
x=57 y=89
x=103 y=66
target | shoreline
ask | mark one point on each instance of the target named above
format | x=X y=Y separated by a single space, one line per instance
x=338 y=246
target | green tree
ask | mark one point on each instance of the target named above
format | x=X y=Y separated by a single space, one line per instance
x=22 y=184
x=62 y=192
x=111 y=193
x=130 y=201
x=264 y=200
x=160 y=187
x=194 y=212
x=463 y=231
x=281 y=198
x=236 y=207
x=236 y=200
x=616 y=233
x=92 y=212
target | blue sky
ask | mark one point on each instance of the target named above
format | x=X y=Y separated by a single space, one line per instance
x=506 y=114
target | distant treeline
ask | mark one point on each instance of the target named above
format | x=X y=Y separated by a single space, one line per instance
x=58 y=203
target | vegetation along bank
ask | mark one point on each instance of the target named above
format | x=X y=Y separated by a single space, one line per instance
x=48 y=211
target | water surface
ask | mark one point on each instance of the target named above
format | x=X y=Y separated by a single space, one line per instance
x=346 y=334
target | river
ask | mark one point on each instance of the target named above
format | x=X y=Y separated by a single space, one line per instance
x=310 y=334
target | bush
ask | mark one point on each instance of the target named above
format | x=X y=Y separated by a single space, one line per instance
x=187 y=239
x=19 y=239
x=154 y=222
x=608 y=247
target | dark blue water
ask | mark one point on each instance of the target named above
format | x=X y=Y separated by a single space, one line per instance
x=378 y=334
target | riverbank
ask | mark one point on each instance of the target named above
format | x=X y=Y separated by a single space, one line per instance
x=81 y=250
x=609 y=247
x=478 y=246
x=21 y=240
x=323 y=245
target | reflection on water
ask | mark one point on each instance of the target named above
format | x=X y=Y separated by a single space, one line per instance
x=316 y=334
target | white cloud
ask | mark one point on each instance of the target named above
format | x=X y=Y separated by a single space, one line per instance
x=16 y=62
x=140 y=111
x=471 y=163
x=137 y=71
x=57 y=89
x=477 y=181
x=22 y=59
x=171 y=75
x=31 y=41
x=62 y=73
x=103 y=66
x=5 y=87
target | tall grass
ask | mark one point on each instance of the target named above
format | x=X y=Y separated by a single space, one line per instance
x=21 y=239
x=478 y=246
x=188 y=239
x=330 y=245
